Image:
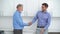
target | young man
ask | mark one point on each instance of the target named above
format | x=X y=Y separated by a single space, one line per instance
x=18 y=23
x=44 y=19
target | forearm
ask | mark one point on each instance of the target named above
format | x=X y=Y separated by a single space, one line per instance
x=46 y=27
x=25 y=24
x=34 y=19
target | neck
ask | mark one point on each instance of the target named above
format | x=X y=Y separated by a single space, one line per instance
x=43 y=10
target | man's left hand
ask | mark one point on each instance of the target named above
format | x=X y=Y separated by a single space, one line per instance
x=42 y=31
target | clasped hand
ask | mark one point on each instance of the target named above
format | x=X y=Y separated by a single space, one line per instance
x=30 y=23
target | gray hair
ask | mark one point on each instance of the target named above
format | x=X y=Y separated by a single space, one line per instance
x=19 y=5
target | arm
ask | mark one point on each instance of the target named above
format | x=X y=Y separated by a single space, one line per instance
x=25 y=24
x=48 y=21
x=35 y=18
x=20 y=21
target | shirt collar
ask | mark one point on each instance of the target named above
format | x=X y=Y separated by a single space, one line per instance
x=18 y=11
x=44 y=11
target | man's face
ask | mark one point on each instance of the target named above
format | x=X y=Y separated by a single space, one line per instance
x=44 y=8
x=20 y=8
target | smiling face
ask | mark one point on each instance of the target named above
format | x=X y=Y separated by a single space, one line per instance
x=20 y=7
x=44 y=6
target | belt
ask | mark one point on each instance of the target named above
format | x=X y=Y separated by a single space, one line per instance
x=17 y=29
x=40 y=26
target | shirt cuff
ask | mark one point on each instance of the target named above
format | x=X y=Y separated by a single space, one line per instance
x=46 y=28
x=26 y=24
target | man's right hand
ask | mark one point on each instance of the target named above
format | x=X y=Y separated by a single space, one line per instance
x=30 y=23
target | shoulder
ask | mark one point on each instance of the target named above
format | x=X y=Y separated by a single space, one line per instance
x=39 y=11
x=16 y=13
x=48 y=14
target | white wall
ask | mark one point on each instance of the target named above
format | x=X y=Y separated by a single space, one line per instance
x=8 y=7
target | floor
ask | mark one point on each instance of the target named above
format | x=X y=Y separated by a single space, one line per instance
x=54 y=33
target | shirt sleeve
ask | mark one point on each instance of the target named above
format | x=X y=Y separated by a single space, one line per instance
x=48 y=22
x=20 y=22
x=25 y=24
x=35 y=18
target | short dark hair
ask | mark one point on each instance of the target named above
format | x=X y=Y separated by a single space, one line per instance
x=19 y=5
x=45 y=4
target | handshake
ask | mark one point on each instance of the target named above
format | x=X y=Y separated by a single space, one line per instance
x=30 y=23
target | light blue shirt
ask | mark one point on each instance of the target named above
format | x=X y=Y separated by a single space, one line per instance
x=43 y=18
x=17 y=21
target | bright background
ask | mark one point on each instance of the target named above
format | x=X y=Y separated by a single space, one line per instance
x=8 y=7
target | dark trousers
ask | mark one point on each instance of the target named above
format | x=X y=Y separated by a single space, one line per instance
x=16 y=31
